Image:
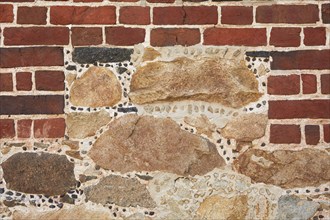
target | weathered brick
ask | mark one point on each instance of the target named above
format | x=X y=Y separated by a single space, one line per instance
x=238 y=15
x=174 y=36
x=124 y=0
x=309 y=84
x=161 y=1
x=83 y=15
x=121 y=36
x=291 y=14
x=325 y=83
x=287 y=109
x=49 y=80
x=326 y=13
x=87 y=0
x=134 y=15
x=312 y=134
x=17 y=0
x=6 y=13
x=6 y=82
x=285 y=134
x=49 y=128
x=185 y=15
x=301 y=59
x=235 y=36
x=31 y=56
x=285 y=37
x=314 y=36
x=7 y=128
x=24 y=81
x=283 y=85
x=24 y=128
x=82 y=36
x=29 y=105
x=326 y=132
x=31 y=15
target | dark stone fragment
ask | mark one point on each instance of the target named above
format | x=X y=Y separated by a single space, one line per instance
x=71 y=67
x=121 y=70
x=102 y=55
x=125 y=110
x=258 y=53
x=12 y=203
x=2 y=190
x=67 y=199
x=144 y=177
x=42 y=173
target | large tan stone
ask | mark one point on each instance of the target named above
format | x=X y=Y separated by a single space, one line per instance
x=224 y=81
x=218 y=207
x=202 y=124
x=81 y=125
x=246 y=127
x=97 y=87
x=284 y=168
x=145 y=143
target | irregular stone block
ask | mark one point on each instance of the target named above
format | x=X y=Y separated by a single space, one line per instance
x=102 y=55
x=202 y=124
x=285 y=168
x=225 y=81
x=120 y=191
x=246 y=127
x=97 y=87
x=39 y=173
x=145 y=143
x=82 y=125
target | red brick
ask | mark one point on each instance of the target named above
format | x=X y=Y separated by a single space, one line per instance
x=87 y=0
x=86 y=36
x=291 y=14
x=285 y=37
x=24 y=128
x=49 y=128
x=24 y=81
x=122 y=36
x=185 y=15
x=235 y=36
x=283 y=85
x=285 y=134
x=31 y=105
x=124 y=0
x=325 y=83
x=314 y=36
x=31 y=56
x=326 y=13
x=6 y=82
x=6 y=13
x=7 y=128
x=309 y=84
x=82 y=15
x=287 y=109
x=17 y=0
x=174 y=36
x=312 y=134
x=36 y=36
x=49 y=80
x=326 y=132
x=301 y=59
x=31 y=15
x=161 y=1
x=134 y=15
x=238 y=15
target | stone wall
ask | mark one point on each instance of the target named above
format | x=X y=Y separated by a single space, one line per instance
x=164 y=109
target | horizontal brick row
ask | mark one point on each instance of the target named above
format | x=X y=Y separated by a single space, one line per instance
x=41 y=128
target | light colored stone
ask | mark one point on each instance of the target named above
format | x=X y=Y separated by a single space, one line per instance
x=291 y=207
x=246 y=127
x=224 y=81
x=70 y=78
x=202 y=124
x=150 y=54
x=218 y=207
x=285 y=168
x=120 y=191
x=145 y=143
x=82 y=125
x=97 y=87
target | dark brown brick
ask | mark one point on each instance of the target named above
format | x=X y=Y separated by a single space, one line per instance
x=82 y=36
x=6 y=13
x=325 y=83
x=238 y=15
x=174 y=36
x=6 y=82
x=24 y=81
x=309 y=83
x=49 y=80
x=134 y=15
x=121 y=36
x=49 y=128
x=314 y=36
x=285 y=134
x=326 y=13
x=24 y=128
x=312 y=134
x=283 y=85
x=326 y=132
x=285 y=37
x=7 y=128
x=31 y=15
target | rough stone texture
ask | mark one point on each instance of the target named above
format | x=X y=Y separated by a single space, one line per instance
x=71 y=213
x=98 y=87
x=218 y=207
x=121 y=191
x=228 y=82
x=102 y=55
x=246 y=127
x=284 y=168
x=145 y=143
x=202 y=124
x=45 y=173
x=82 y=125
x=150 y=54
x=292 y=207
